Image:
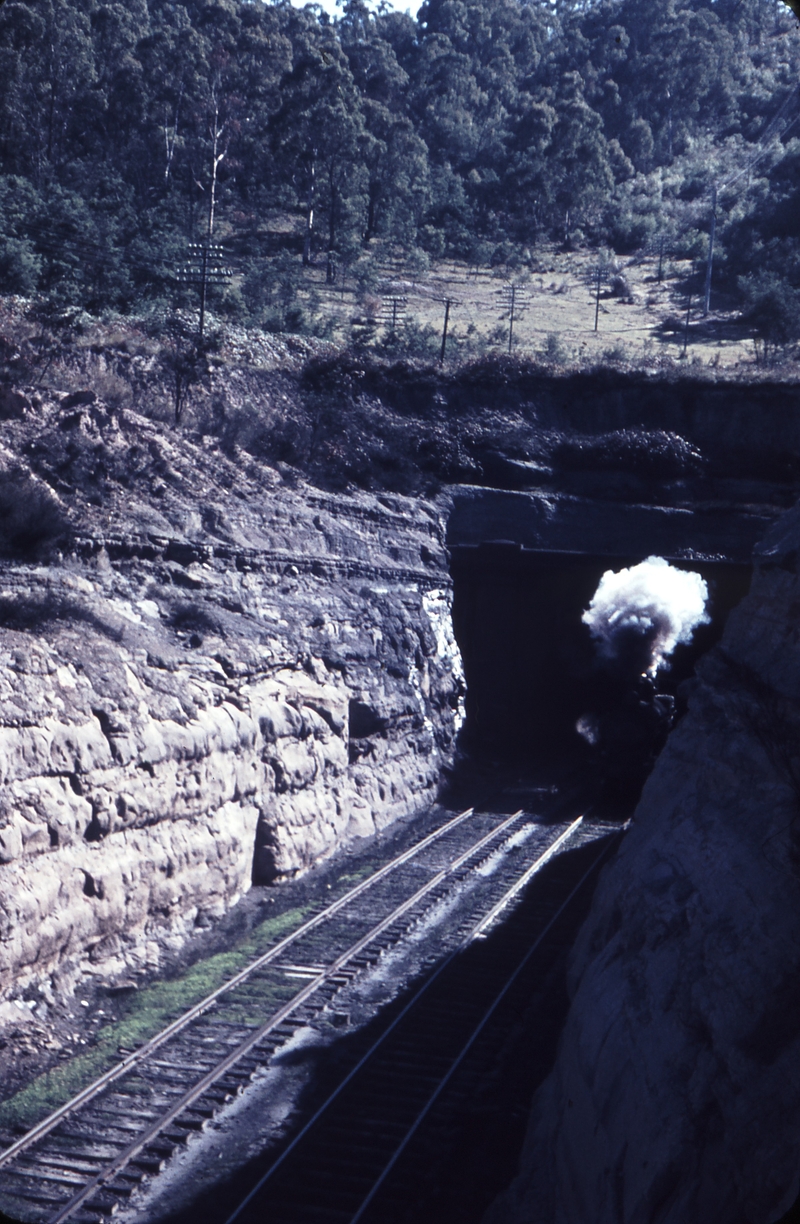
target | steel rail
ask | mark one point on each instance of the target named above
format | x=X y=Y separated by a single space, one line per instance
x=429 y=981
x=137 y=1056
x=475 y=1034
x=507 y=898
x=115 y=1166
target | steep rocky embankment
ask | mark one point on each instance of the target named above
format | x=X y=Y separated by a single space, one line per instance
x=210 y=675
x=676 y=1093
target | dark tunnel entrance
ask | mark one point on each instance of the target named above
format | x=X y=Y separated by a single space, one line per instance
x=531 y=664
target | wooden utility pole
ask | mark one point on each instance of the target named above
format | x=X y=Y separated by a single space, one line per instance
x=597 y=296
x=710 y=260
x=393 y=312
x=447 y=304
x=204 y=267
x=686 y=328
x=516 y=299
x=660 y=260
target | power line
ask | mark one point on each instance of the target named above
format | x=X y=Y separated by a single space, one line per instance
x=764 y=137
x=204 y=267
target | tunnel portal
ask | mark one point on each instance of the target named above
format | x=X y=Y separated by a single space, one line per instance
x=530 y=663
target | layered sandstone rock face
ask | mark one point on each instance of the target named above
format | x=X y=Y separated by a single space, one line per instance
x=220 y=678
x=676 y=1093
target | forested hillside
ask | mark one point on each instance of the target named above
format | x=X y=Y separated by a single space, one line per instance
x=478 y=130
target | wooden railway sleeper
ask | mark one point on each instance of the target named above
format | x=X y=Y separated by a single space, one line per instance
x=152 y=1076
x=327 y=1201
x=251 y=1069
x=354 y=1147
x=174 y=1136
x=38 y=1191
x=149 y=1164
x=238 y=1075
x=130 y=1174
x=334 y=1180
x=226 y=1037
x=112 y=1135
x=52 y=1170
x=235 y=1088
x=191 y=1123
x=33 y=1196
x=39 y=1175
x=217 y=1098
x=286 y=1027
x=230 y=1080
x=58 y=1159
x=120 y=1121
x=104 y=1203
x=191 y=1065
x=134 y=1109
x=121 y=1187
x=248 y=1066
x=157 y=1149
x=87 y=1152
x=83 y=1130
x=397 y=930
x=139 y=1100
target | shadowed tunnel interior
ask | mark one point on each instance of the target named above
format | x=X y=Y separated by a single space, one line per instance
x=532 y=667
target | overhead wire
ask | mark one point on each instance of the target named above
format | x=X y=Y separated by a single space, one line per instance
x=766 y=137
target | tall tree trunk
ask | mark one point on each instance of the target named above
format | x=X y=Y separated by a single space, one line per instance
x=170 y=136
x=710 y=260
x=217 y=157
x=51 y=112
x=330 y=271
x=669 y=130
x=372 y=212
x=309 y=213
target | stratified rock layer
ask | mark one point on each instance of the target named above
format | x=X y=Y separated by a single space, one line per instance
x=676 y=1093
x=222 y=679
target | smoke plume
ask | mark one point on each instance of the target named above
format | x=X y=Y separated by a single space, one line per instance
x=654 y=603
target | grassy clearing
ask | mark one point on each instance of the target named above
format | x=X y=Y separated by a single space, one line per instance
x=146 y=1013
x=558 y=311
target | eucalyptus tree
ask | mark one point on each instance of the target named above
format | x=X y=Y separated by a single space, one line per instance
x=395 y=157
x=320 y=137
x=46 y=83
x=579 y=157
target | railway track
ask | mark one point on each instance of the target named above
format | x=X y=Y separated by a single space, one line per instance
x=90 y=1155
x=377 y=1149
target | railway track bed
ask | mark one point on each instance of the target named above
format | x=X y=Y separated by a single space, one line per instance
x=94 y=1157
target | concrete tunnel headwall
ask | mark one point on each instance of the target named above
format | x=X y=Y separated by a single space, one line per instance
x=524 y=569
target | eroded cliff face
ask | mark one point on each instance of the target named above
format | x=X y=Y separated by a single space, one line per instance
x=220 y=677
x=676 y=1092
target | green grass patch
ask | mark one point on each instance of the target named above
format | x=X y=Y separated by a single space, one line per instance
x=146 y=1012
x=355 y=877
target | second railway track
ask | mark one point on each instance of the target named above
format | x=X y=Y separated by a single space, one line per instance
x=88 y=1157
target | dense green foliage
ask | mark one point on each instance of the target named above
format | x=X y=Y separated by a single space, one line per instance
x=478 y=130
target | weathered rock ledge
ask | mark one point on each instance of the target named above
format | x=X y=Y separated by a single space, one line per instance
x=221 y=678
x=676 y=1092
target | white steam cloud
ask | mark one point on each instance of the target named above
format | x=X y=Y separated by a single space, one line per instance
x=652 y=599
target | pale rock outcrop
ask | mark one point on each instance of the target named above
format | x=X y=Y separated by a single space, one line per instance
x=675 y=1097
x=208 y=688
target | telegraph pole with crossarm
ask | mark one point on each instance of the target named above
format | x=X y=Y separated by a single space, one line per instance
x=205 y=266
